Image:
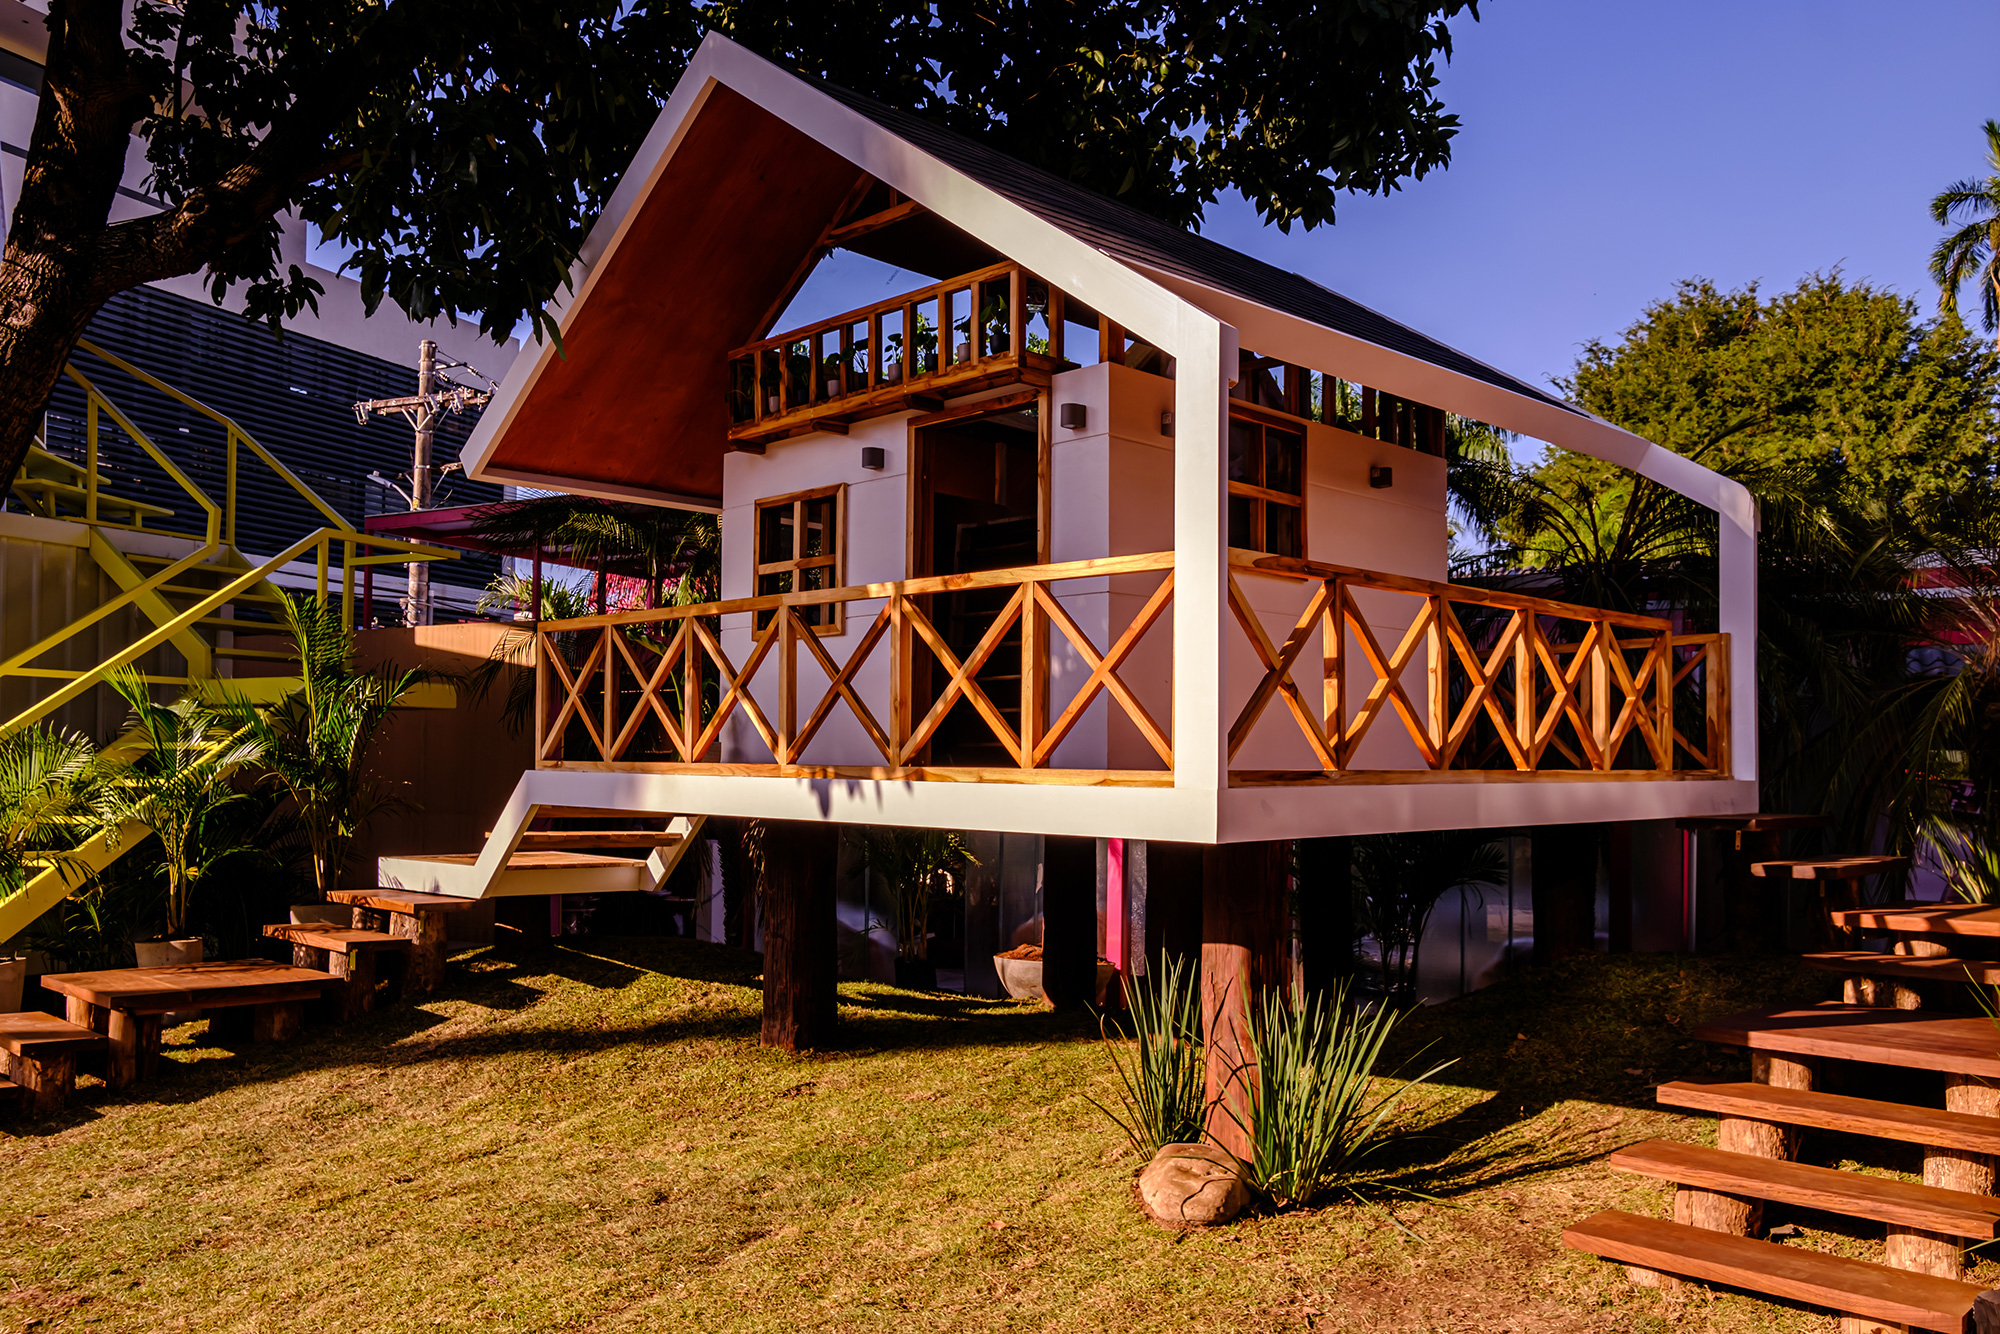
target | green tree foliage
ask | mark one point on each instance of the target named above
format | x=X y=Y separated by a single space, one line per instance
x=1398 y=881
x=461 y=151
x=50 y=783
x=1971 y=253
x=1832 y=390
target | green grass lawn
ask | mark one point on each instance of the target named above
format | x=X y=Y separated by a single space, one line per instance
x=593 y=1140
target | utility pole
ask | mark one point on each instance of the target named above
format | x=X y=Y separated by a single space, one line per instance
x=435 y=393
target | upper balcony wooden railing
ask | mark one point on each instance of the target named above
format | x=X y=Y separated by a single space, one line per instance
x=1504 y=686
x=990 y=327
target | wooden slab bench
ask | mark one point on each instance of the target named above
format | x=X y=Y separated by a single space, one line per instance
x=1896 y=1121
x=360 y=958
x=41 y=1055
x=1953 y=1213
x=125 y=1004
x=413 y=916
x=1855 y=1287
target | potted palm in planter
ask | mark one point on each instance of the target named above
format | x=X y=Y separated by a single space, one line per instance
x=916 y=864
x=188 y=751
x=50 y=783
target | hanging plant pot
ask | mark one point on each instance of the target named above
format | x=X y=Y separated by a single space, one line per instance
x=916 y=974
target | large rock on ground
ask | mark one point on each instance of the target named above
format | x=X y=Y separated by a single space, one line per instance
x=1193 y=1185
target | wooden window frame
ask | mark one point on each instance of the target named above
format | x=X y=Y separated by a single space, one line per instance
x=1266 y=419
x=837 y=561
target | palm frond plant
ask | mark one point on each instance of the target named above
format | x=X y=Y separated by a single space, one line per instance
x=1164 y=1078
x=916 y=865
x=187 y=754
x=315 y=742
x=1317 y=1112
x=1970 y=862
x=1971 y=253
x=50 y=784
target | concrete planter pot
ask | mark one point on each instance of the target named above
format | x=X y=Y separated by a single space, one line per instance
x=1021 y=979
x=13 y=979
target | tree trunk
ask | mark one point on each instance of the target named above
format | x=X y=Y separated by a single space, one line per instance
x=801 y=960
x=1243 y=925
x=1326 y=913
x=1069 y=921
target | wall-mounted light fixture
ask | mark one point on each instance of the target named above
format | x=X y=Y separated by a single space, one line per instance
x=874 y=458
x=1381 y=478
x=1073 y=416
x=1167 y=422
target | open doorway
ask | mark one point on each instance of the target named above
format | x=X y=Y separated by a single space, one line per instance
x=978 y=503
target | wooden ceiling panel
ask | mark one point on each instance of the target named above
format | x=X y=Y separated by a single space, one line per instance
x=637 y=399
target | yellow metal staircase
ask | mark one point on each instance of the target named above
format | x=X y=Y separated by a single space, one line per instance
x=184 y=590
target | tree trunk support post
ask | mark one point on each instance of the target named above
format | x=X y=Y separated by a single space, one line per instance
x=1243 y=930
x=801 y=994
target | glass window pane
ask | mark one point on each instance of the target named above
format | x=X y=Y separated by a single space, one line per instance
x=1284 y=451
x=779 y=581
x=774 y=534
x=1244 y=465
x=821 y=531
x=1242 y=511
x=1281 y=529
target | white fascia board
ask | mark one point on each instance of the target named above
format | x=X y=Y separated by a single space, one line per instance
x=1255 y=813
x=1162 y=813
x=641 y=495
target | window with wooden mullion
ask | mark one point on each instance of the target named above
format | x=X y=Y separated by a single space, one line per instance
x=799 y=551
x=1267 y=505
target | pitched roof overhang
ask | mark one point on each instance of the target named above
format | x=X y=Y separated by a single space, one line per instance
x=744 y=166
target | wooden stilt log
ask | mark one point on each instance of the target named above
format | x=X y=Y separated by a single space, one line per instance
x=275 y=1021
x=800 y=960
x=1069 y=921
x=135 y=1047
x=1243 y=925
x=46 y=1081
x=356 y=968
x=426 y=932
x=1953 y=1169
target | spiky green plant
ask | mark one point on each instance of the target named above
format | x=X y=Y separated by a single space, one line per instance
x=1316 y=1115
x=50 y=783
x=1164 y=1076
x=188 y=752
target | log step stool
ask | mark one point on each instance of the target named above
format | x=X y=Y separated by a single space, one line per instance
x=41 y=1057
x=360 y=958
x=1894 y=1297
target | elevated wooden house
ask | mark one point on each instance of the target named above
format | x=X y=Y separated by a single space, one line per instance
x=1101 y=529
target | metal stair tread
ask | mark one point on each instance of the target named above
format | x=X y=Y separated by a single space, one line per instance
x=1955 y=1213
x=1893 y=1296
x=1901 y=1122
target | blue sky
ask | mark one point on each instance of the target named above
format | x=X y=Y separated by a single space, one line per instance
x=1610 y=148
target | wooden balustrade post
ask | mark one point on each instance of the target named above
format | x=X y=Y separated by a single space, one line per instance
x=691 y=670
x=1034 y=674
x=788 y=684
x=1437 y=702
x=900 y=647
x=1017 y=323
x=1598 y=673
x=610 y=692
x=1333 y=649
x=1525 y=693
x=542 y=650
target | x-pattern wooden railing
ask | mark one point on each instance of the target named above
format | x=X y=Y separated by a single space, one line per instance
x=1623 y=677
x=610 y=675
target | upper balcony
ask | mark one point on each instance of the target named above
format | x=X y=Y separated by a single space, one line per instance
x=997 y=326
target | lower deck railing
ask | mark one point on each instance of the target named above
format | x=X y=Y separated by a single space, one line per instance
x=1476 y=679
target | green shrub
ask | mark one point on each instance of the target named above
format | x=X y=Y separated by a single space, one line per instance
x=1315 y=1118
x=1163 y=1098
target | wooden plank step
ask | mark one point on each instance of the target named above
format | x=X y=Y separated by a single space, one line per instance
x=559 y=840
x=1905 y=1124
x=1913 y=1039
x=1910 y=967
x=1892 y=1296
x=338 y=939
x=1933 y=919
x=1955 y=1213
x=525 y=861
x=1827 y=868
x=399 y=900
x=33 y=1031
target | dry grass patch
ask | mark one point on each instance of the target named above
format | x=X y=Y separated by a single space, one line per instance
x=593 y=1140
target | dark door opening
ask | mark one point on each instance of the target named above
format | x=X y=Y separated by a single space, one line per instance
x=978 y=506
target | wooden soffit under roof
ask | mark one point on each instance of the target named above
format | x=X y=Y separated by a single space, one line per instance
x=636 y=400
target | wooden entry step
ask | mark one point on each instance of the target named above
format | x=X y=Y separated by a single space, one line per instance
x=1827 y=868
x=1958 y=1044
x=579 y=840
x=1892 y=1296
x=1930 y=1126
x=1955 y=1213
x=1908 y=967
x=1762 y=822
x=1923 y=919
